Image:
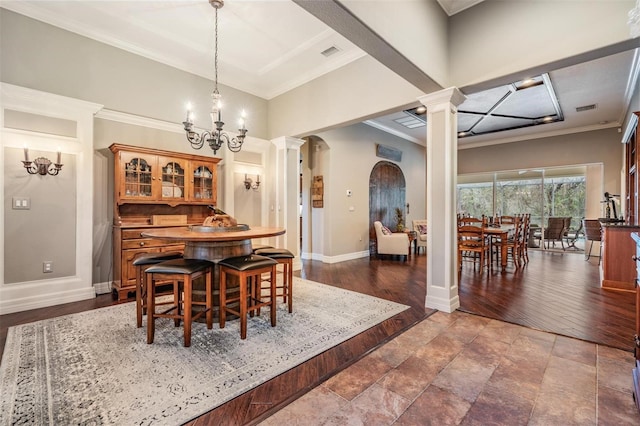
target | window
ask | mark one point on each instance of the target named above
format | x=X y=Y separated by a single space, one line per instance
x=543 y=193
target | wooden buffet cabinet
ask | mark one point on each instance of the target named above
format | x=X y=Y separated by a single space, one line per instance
x=635 y=373
x=618 y=270
x=155 y=189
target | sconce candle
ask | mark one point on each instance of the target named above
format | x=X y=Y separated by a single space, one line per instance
x=26 y=154
x=59 y=157
x=250 y=184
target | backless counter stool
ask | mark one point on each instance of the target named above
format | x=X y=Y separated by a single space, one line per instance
x=256 y=247
x=285 y=258
x=141 y=263
x=185 y=271
x=248 y=269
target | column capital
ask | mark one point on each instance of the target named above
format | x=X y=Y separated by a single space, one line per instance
x=287 y=142
x=451 y=95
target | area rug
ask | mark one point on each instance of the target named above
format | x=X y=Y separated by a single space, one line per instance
x=95 y=367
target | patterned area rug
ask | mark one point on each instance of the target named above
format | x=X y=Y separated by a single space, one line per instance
x=95 y=367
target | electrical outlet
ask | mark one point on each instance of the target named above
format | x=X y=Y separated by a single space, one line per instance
x=47 y=266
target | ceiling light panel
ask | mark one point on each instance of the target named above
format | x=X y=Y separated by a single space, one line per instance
x=410 y=122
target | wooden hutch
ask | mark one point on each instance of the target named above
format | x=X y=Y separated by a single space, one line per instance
x=632 y=169
x=155 y=189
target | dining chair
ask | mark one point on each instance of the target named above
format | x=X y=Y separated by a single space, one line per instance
x=473 y=243
x=514 y=242
x=573 y=235
x=554 y=232
x=475 y=221
x=524 y=237
x=592 y=232
x=507 y=220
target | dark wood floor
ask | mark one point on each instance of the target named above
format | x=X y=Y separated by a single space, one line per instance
x=554 y=292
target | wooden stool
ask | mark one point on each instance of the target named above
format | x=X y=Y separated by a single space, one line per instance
x=248 y=269
x=256 y=247
x=186 y=271
x=141 y=263
x=285 y=258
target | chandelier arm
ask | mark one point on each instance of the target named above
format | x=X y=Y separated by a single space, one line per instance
x=196 y=140
x=235 y=145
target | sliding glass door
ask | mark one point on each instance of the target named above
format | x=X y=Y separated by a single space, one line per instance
x=544 y=193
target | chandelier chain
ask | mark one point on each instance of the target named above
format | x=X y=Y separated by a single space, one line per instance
x=215 y=63
x=215 y=137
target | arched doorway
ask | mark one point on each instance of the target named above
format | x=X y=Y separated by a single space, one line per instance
x=386 y=193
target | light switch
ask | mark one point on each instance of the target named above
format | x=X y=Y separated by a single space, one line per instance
x=21 y=203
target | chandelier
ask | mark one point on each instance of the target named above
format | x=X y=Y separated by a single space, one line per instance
x=215 y=137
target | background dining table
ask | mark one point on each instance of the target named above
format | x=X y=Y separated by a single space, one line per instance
x=502 y=232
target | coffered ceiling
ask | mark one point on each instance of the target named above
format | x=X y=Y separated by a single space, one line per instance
x=269 y=47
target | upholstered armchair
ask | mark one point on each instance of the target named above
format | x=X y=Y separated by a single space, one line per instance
x=420 y=227
x=391 y=243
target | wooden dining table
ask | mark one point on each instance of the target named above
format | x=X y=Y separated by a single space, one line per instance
x=502 y=232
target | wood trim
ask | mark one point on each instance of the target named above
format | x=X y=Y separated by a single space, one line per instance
x=158 y=152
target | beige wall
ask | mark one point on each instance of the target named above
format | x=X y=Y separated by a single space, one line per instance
x=46 y=58
x=498 y=38
x=350 y=94
x=45 y=232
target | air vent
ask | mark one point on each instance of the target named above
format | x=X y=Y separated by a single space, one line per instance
x=330 y=51
x=586 y=108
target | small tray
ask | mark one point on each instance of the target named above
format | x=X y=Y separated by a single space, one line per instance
x=200 y=228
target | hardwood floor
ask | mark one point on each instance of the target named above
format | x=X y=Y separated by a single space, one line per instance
x=554 y=292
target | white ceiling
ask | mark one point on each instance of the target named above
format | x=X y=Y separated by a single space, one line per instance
x=269 y=47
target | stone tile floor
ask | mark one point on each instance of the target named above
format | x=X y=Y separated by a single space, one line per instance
x=462 y=369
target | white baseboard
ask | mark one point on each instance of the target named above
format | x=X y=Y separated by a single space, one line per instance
x=40 y=296
x=441 y=304
x=335 y=259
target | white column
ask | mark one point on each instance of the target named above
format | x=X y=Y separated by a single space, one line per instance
x=286 y=194
x=442 y=172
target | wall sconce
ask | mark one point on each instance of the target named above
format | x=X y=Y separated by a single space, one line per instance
x=41 y=165
x=250 y=184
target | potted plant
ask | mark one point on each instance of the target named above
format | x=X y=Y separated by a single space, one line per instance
x=399 y=220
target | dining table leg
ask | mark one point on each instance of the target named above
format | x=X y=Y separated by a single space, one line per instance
x=503 y=252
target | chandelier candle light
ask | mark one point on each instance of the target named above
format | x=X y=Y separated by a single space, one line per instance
x=215 y=137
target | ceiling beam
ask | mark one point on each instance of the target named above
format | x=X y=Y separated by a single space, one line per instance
x=343 y=21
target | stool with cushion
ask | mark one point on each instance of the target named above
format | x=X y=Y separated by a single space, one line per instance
x=185 y=271
x=285 y=258
x=248 y=269
x=141 y=263
x=256 y=247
